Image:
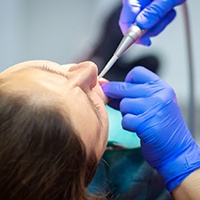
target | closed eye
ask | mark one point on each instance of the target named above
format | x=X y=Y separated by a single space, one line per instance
x=96 y=107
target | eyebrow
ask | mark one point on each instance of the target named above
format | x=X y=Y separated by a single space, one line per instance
x=50 y=70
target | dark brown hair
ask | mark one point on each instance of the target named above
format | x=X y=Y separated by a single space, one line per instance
x=41 y=156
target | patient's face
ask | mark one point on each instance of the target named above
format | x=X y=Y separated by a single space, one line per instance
x=74 y=88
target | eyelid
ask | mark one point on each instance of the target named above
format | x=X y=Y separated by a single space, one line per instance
x=96 y=108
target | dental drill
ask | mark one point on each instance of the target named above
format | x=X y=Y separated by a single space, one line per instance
x=132 y=35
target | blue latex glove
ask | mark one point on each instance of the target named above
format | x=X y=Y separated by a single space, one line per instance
x=149 y=108
x=151 y=15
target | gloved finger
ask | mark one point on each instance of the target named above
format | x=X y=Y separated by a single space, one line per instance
x=130 y=10
x=119 y=90
x=155 y=30
x=151 y=14
x=137 y=106
x=161 y=107
x=142 y=122
x=131 y=122
x=141 y=75
x=144 y=40
x=160 y=26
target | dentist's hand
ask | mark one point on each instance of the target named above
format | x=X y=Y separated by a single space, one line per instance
x=149 y=108
x=151 y=15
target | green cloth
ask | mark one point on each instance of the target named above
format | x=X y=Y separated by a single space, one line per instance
x=117 y=134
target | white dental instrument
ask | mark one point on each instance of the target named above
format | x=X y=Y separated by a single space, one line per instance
x=132 y=35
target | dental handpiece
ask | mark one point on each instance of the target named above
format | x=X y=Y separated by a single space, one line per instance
x=132 y=35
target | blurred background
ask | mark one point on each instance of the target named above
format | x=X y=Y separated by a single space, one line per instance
x=70 y=31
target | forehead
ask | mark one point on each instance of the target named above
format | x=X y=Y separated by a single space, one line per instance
x=25 y=67
x=31 y=71
x=34 y=63
x=29 y=81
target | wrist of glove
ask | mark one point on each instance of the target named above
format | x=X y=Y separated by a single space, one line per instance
x=177 y=169
x=149 y=108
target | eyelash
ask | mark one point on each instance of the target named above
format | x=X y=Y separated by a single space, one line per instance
x=96 y=105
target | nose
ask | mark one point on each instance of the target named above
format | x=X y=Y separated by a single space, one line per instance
x=84 y=75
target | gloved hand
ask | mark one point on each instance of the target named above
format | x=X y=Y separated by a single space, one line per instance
x=151 y=15
x=149 y=108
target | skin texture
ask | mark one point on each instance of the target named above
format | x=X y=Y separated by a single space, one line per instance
x=53 y=130
x=73 y=87
x=189 y=188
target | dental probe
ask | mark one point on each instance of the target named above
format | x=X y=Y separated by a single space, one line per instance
x=132 y=35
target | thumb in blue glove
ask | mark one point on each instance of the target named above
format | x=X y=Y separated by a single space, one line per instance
x=149 y=108
x=151 y=15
